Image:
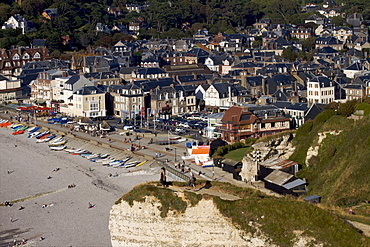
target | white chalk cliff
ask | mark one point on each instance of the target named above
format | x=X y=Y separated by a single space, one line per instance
x=201 y=225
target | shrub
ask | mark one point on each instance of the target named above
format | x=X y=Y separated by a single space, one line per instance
x=365 y=107
x=346 y=109
x=323 y=117
x=305 y=129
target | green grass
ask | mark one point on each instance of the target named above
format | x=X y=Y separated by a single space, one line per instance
x=237 y=154
x=277 y=218
x=341 y=171
x=168 y=198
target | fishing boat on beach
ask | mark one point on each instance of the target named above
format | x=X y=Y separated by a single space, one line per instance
x=34 y=129
x=48 y=138
x=57 y=148
x=107 y=161
x=58 y=142
x=18 y=132
x=81 y=151
x=6 y=124
x=33 y=134
x=42 y=134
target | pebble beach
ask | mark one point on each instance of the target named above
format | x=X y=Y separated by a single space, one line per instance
x=25 y=171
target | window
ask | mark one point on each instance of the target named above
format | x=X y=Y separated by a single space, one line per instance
x=272 y=125
x=16 y=57
x=37 y=55
x=94 y=106
x=263 y=125
x=282 y=124
x=26 y=56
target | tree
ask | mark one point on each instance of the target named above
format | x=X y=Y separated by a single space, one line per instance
x=4 y=12
x=309 y=43
x=337 y=21
x=289 y=54
x=105 y=41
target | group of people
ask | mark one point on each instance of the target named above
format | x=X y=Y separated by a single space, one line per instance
x=70 y=186
x=128 y=140
x=191 y=182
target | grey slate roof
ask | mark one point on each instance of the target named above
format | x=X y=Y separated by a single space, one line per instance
x=323 y=81
x=290 y=106
x=89 y=90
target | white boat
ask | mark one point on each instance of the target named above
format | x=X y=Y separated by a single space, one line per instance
x=32 y=135
x=80 y=151
x=131 y=164
x=91 y=156
x=70 y=150
x=31 y=129
x=105 y=160
x=57 y=148
x=58 y=143
x=56 y=140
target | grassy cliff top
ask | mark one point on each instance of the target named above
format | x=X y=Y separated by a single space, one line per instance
x=277 y=218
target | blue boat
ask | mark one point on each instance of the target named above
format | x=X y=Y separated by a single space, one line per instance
x=42 y=134
x=34 y=129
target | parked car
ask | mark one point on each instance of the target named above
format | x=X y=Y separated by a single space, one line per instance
x=180 y=130
x=128 y=127
x=184 y=125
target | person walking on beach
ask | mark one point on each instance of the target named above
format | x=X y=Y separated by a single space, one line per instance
x=163 y=177
x=11 y=220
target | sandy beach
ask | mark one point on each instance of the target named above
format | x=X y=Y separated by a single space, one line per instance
x=24 y=170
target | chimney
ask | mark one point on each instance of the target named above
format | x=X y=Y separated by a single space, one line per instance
x=243 y=77
x=229 y=93
x=263 y=85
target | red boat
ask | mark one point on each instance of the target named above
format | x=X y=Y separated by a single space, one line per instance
x=5 y=124
x=18 y=132
x=42 y=137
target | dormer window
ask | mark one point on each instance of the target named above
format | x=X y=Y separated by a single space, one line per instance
x=16 y=57
x=26 y=56
x=37 y=55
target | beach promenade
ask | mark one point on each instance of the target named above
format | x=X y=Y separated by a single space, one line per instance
x=44 y=205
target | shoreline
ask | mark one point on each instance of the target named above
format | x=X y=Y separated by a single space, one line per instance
x=69 y=222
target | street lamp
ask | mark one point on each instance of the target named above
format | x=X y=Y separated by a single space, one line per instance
x=175 y=155
x=257 y=158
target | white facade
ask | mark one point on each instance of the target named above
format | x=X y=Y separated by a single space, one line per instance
x=317 y=92
x=212 y=98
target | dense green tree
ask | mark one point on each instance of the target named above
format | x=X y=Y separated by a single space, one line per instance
x=105 y=41
x=289 y=54
x=4 y=12
x=337 y=21
x=309 y=43
x=33 y=7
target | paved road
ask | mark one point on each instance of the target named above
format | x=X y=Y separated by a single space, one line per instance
x=168 y=157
